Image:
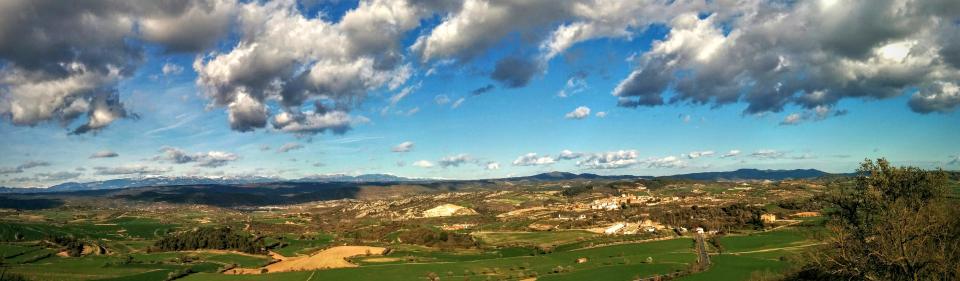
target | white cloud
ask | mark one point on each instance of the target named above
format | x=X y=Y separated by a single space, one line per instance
x=441 y=99
x=130 y=169
x=741 y=53
x=310 y=122
x=573 y=86
x=730 y=153
x=566 y=154
x=671 y=162
x=457 y=103
x=406 y=146
x=210 y=159
x=65 y=64
x=601 y=114
x=531 y=159
x=171 y=69
x=454 y=160
x=609 y=160
x=493 y=165
x=792 y=119
x=284 y=56
x=819 y=112
x=698 y=154
x=578 y=113
x=423 y=164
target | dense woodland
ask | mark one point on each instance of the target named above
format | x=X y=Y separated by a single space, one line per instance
x=218 y=238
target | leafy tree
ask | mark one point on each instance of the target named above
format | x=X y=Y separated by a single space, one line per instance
x=893 y=223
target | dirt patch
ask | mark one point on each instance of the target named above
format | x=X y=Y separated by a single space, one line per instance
x=335 y=257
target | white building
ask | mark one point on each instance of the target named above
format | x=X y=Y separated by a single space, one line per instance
x=614 y=228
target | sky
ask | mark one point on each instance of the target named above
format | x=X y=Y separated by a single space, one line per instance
x=95 y=90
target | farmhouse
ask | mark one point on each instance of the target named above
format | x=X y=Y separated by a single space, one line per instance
x=768 y=217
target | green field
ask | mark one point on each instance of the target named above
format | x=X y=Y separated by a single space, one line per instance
x=619 y=260
x=763 y=240
x=542 y=238
x=297 y=246
x=743 y=257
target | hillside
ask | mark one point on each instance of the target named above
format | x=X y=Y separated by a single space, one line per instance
x=755 y=174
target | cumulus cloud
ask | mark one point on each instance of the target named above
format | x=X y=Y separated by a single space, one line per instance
x=578 y=113
x=406 y=146
x=730 y=153
x=942 y=97
x=601 y=114
x=492 y=165
x=715 y=53
x=423 y=164
x=609 y=160
x=531 y=159
x=954 y=160
x=104 y=154
x=290 y=146
x=210 y=159
x=817 y=113
x=131 y=169
x=284 y=56
x=454 y=160
x=566 y=154
x=671 y=162
x=478 y=25
x=862 y=49
x=313 y=122
x=72 y=75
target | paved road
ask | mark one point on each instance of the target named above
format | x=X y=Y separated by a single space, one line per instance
x=702 y=257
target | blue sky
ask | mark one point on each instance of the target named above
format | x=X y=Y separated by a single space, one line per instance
x=173 y=125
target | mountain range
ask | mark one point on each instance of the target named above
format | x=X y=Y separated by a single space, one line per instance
x=741 y=174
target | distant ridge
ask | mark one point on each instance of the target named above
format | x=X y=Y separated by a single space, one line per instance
x=570 y=176
x=754 y=174
x=741 y=174
x=172 y=181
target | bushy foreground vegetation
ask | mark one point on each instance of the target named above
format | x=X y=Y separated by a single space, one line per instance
x=894 y=223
